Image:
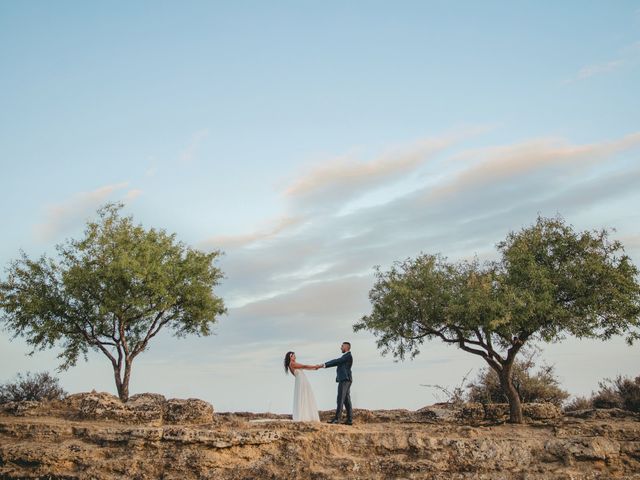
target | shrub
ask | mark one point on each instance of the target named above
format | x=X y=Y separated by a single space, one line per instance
x=579 y=403
x=539 y=387
x=606 y=397
x=623 y=392
x=37 y=386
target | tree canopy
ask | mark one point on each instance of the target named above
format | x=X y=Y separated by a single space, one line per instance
x=111 y=291
x=549 y=282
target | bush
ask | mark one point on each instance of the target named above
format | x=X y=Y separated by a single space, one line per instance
x=37 y=386
x=579 y=403
x=606 y=397
x=623 y=392
x=629 y=391
x=539 y=387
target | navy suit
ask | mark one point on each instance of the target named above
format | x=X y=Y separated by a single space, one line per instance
x=344 y=379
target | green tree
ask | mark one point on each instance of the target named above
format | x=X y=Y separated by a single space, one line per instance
x=112 y=291
x=549 y=282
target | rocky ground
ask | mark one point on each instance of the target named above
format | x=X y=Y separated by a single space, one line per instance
x=94 y=436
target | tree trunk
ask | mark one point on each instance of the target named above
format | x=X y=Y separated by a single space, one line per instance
x=515 y=405
x=122 y=384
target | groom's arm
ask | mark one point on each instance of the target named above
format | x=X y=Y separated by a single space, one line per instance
x=335 y=362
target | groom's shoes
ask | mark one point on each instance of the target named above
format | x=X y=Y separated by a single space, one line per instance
x=348 y=422
x=333 y=420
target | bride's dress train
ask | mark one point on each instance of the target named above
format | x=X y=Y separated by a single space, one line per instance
x=304 y=403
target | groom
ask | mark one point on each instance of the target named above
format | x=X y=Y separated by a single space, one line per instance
x=344 y=379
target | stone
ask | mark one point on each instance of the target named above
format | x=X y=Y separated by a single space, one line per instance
x=104 y=406
x=382 y=444
x=192 y=410
x=541 y=411
x=472 y=412
x=21 y=409
x=496 y=411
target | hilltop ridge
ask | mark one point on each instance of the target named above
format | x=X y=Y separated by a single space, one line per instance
x=93 y=436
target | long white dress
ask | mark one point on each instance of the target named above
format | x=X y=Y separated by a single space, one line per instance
x=304 y=403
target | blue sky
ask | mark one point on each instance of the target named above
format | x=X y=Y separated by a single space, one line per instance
x=311 y=141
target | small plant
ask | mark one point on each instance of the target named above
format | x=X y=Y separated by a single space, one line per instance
x=455 y=396
x=37 y=386
x=578 y=403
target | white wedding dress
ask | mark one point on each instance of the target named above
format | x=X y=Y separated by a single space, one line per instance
x=304 y=403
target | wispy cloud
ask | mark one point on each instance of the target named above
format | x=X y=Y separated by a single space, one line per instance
x=504 y=163
x=597 y=69
x=346 y=177
x=271 y=230
x=466 y=211
x=68 y=214
x=132 y=194
x=628 y=56
x=190 y=151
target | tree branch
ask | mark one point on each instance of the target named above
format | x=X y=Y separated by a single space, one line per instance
x=152 y=332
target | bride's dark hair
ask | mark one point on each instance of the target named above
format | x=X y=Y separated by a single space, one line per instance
x=287 y=361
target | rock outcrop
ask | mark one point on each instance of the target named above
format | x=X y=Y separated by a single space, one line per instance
x=88 y=436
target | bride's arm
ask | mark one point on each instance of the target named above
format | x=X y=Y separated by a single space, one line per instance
x=302 y=366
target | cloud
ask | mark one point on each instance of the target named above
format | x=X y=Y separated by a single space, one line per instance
x=190 y=151
x=300 y=281
x=64 y=216
x=331 y=303
x=132 y=194
x=628 y=56
x=345 y=177
x=502 y=164
x=272 y=229
x=470 y=208
x=597 y=69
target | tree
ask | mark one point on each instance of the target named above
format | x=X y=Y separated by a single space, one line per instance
x=112 y=292
x=549 y=282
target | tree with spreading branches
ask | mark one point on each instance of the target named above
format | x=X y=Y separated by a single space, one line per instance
x=549 y=282
x=111 y=291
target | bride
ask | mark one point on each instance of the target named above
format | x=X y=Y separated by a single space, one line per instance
x=304 y=403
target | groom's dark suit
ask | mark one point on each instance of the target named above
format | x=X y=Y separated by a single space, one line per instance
x=344 y=379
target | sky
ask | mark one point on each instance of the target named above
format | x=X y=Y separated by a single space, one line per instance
x=311 y=141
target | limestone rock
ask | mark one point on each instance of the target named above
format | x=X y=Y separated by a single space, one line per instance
x=149 y=437
x=21 y=409
x=541 y=411
x=191 y=410
x=104 y=406
x=472 y=412
x=602 y=413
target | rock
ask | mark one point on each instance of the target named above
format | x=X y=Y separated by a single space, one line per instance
x=583 y=449
x=21 y=409
x=541 y=411
x=472 y=412
x=602 y=413
x=147 y=407
x=433 y=442
x=430 y=415
x=143 y=408
x=191 y=411
x=496 y=411
x=102 y=406
x=499 y=412
x=147 y=398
